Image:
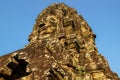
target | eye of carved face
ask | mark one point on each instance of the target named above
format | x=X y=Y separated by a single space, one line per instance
x=48 y=27
x=41 y=25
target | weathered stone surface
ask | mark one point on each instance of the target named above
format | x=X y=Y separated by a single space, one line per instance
x=62 y=47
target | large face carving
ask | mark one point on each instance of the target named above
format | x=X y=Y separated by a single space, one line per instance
x=60 y=25
x=55 y=21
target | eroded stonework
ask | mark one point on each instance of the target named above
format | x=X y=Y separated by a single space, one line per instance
x=62 y=47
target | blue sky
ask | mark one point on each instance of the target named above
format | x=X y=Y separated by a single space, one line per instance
x=17 y=18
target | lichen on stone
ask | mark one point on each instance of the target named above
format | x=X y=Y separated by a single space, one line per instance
x=61 y=47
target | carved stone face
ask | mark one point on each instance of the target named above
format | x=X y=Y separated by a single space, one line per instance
x=62 y=26
x=54 y=22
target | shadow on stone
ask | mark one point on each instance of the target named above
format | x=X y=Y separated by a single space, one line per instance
x=18 y=69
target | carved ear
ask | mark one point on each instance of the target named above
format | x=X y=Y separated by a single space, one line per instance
x=77 y=46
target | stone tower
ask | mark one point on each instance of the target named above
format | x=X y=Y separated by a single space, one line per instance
x=61 y=47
